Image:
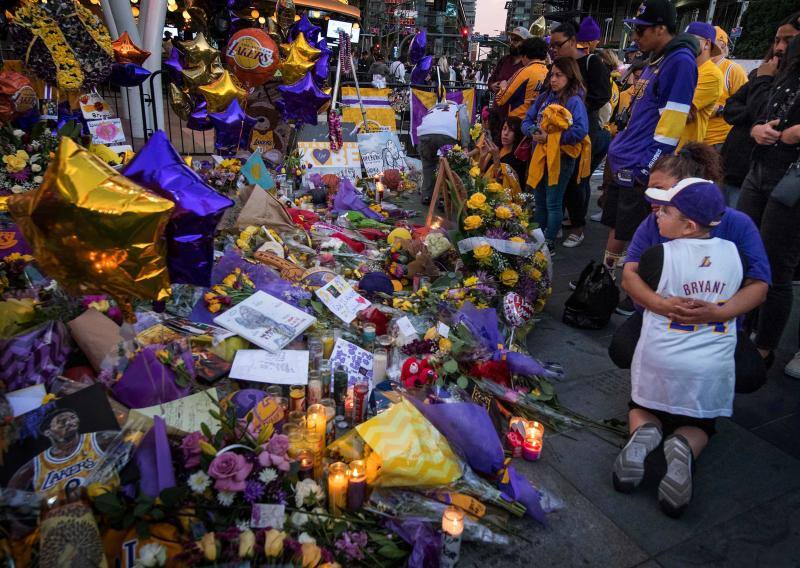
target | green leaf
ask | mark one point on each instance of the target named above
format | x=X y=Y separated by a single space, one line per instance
x=318 y=306
x=141 y=509
x=206 y=430
x=546 y=387
x=463 y=382
x=338 y=529
x=109 y=504
x=157 y=514
x=173 y=496
x=143 y=529
x=450 y=366
x=392 y=551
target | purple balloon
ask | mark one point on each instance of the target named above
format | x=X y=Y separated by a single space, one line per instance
x=199 y=120
x=301 y=101
x=232 y=129
x=416 y=51
x=67 y=114
x=198 y=208
x=173 y=63
x=128 y=74
x=419 y=74
x=309 y=30
x=321 y=67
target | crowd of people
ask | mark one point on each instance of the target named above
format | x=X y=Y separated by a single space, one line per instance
x=700 y=194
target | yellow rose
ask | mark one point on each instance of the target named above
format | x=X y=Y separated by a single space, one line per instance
x=247 y=544
x=475 y=172
x=494 y=187
x=94 y=490
x=208 y=546
x=517 y=240
x=16 y=162
x=101 y=306
x=445 y=344
x=311 y=555
x=214 y=307
x=536 y=274
x=457 y=148
x=229 y=280
x=509 y=277
x=482 y=252
x=476 y=201
x=471 y=281
x=503 y=212
x=472 y=222
x=273 y=543
x=524 y=224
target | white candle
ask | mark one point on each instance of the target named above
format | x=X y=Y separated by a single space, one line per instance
x=452 y=528
x=380 y=360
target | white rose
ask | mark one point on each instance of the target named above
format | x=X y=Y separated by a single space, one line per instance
x=36 y=168
x=152 y=554
x=16 y=189
x=298 y=519
x=19 y=133
x=38 y=179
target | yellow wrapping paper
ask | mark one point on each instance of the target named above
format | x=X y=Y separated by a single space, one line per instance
x=407 y=450
x=547 y=157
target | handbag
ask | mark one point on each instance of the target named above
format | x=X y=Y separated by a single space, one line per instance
x=595 y=297
x=787 y=190
x=524 y=149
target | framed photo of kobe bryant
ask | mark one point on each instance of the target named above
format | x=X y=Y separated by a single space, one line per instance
x=59 y=444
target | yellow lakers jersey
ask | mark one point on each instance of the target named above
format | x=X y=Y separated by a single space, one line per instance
x=59 y=475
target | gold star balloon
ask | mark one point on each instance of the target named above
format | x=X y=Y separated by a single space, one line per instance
x=539 y=27
x=125 y=51
x=299 y=60
x=221 y=92
x=94 y=230
x=180 y=102
x=203 y=74
x=197 y=51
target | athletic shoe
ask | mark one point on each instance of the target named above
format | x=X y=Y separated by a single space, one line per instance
x=597 y=216
x=551 y=246
x=792 y=368
x=629 y=466
x=675 y=489
x=573 y=241
x=625 y=307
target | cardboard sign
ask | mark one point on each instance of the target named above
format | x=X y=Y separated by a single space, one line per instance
x=340 y=298
x=93 y=107
x=322 y=160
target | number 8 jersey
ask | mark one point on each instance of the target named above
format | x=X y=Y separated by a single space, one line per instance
x=689 y=369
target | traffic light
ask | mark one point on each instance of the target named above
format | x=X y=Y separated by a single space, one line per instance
x=465 y=32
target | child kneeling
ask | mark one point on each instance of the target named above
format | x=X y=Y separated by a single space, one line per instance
x=682 y=376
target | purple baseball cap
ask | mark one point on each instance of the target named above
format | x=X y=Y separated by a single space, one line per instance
x=698 y=199
x=705 y=31
x=655 y=13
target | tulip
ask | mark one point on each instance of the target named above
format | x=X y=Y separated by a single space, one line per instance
x=311 y=555
x=247 y=544
x=273 y=543
x=208 y=546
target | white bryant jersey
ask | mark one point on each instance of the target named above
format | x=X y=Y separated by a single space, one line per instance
x=689 y=369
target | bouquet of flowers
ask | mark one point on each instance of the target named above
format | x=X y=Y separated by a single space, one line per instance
x=223 y=176
x=235 y=287
x=458 y=159
x=25 y=158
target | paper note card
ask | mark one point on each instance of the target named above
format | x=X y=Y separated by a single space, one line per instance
x=285 y=367
x=356 y=361
x=27 y=399
x=342 y=299
x=264 y=515
x=186 y=413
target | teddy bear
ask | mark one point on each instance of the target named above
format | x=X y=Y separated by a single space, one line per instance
x=416 y=373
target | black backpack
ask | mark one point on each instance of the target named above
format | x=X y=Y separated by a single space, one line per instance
x=596 y=296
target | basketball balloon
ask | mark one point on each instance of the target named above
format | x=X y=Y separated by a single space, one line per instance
x=252 y=56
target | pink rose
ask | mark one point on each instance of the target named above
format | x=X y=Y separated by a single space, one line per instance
x=278 y=444
x=266 y=459
x=190 y=446
x=230 y=470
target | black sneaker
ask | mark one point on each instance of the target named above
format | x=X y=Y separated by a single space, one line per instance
x=675 y=489
x=628 y=469
x=625 y=307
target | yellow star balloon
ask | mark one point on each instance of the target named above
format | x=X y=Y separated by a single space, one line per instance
x=203 y=74
x=94 y=230
x=539 y=27
x=299 y=60
x=221 y=92
x=198 y=50
x=180 y=102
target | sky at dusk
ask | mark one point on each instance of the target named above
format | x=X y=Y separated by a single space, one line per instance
x=490 y=16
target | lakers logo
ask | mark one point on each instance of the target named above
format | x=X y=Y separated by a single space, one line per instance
x=706 y=262
x=248 y=53
x=7 y=239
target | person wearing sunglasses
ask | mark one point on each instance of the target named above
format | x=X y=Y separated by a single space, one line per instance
x=658 y=117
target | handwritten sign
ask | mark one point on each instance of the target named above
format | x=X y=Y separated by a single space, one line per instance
x=381 y=151
x=108 y=131
x=285 y=367
x=185 y=413
x=322 y=160
x=342 y=299
x=93 y=107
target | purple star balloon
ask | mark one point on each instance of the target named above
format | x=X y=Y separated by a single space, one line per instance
x=309 y=30
x=419 y=74
x=321 y=67
x=416 y=51
x=198 y=119
x=173 y=63
x=301 y=101
x=198 y=208
x=128 y=74
x=232 y=128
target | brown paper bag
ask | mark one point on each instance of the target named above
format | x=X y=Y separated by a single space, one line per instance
x=263 y=209
x=96 y=335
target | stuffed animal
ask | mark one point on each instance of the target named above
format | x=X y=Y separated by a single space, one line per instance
x=416 y=373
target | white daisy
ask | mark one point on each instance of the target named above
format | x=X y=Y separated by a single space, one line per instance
x=243 y=525
x=225 y=498
x=199 y=482
x=306 y=538
x=267 y=475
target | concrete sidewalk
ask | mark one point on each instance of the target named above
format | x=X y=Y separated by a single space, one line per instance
x=746 y=506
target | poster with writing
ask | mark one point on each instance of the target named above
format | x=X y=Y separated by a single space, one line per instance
x=322 y=160
x=356 y=361
x=93 y=107
x=286 y=367
x=187 y=413
x=342 y=299
x=381 y=151
x=108 y=131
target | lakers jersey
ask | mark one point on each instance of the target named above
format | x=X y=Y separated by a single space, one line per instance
x=689 y=369
x=57 y=475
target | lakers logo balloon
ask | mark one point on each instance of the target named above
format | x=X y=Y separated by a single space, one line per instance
x=253 y=56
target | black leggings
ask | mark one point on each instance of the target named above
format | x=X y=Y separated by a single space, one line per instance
x=751 y=373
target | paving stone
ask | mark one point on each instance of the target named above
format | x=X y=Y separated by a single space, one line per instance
x=783 y=433
x=601 y=395
x=578 y=535
x=737 y=472
x=767 y=535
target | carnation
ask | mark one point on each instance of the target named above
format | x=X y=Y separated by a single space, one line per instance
x=199 y=482
x=267 y=475
x=307 y=492
x=225 y=498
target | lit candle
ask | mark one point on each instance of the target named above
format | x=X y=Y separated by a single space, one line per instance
x=379 y=192
x=315 y=419
x=534 y=430
x=297 y=397
x=357 y=488
x=531 y=449
x=297 y=440
x=327 y=345
x=306 y=460
x=330 y=413
x=452 y=527
x=337 y=488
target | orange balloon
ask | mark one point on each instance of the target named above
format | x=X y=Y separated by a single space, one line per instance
x=16 y=95
x=252 y=56
x=125 y=51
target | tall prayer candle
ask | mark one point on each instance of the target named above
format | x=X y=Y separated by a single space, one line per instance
x=337 y=488
x=316 y=419
x=452 y=528
x=357 y=487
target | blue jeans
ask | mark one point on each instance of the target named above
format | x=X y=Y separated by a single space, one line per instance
x=550 y=200
x=731 y=194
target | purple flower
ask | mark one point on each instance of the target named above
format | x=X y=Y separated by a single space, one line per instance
x=496 y=233
x=351 y=544
x=21 y=176
x=278 y=444
x=485 y=277
x=190 y=446
x=444 y=150
x=253 y=491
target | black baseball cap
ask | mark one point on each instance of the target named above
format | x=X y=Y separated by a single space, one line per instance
x=655 y=13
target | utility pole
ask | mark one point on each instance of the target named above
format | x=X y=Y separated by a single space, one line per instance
x=712 y=7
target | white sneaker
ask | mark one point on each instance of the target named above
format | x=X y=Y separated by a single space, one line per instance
x=573 y=241
x=597 y=216
x=792 y=368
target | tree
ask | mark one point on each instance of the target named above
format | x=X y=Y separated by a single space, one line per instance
x=759 y=24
